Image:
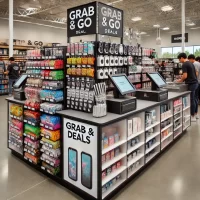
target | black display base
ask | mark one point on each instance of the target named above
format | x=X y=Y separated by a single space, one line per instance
x=84 y=195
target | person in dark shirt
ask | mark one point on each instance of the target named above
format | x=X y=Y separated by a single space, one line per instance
x=13 y=73
x=190 y=78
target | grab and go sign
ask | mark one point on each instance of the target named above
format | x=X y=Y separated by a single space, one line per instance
x=82 y=20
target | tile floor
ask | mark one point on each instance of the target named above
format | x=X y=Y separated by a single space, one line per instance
x=174 y=176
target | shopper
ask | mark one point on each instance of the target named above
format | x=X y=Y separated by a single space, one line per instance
x=190 y=78
x=196 y=64
x=12 y=71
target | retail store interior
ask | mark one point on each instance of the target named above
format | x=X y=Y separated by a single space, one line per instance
x=99 y=100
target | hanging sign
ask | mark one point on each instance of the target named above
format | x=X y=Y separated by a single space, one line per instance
x=81 y=20
x=110 y=20
x=178 y=38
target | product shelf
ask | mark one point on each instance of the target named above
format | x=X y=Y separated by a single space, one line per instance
x=31 y=123
x=135 y=147
x=177 y=135
x=178 y=105
x=113 y=146
x=178 y=118
x=134 y=171
x=134 y=160
x=113 y=175
x=178 y=112
x=166 y=127
x=152 y=136
x=48 y=162
x=17 y=145
x=153 y=125
x=15 y=135
x=152 y=147
x=104 y=195
x=178 y=127
x=167 y=118
x=114 y=160
x=163 y=139
x=30 y=108
x=135 y=135
x=31 y=137
x=187 y=107
x=30 y=152
x=151 y=157
x=15 y=117
x=52 y=100
x=52 y=88
x=186 y=127
x=46 y=144
x=166 y=144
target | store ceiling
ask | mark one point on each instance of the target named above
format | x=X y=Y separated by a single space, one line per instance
x=53 y=12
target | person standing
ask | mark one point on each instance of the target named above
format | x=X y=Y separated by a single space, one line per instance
x=12 y=71
x=190 y=78
x=196 y=64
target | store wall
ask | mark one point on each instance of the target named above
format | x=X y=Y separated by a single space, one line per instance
x=24 y=31
x=194 y=39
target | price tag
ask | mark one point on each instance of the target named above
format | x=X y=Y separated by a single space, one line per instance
x=46 y=126
x=51 y=88
x=25 y=158
x=50 y=78
x=51 y=113
x=41 y=142
x=46 y=144
x=33 y=124
x=47 y=136
x=50 y=145
x=30 y=161
x=29 y=151
x=29 y=122
x=32 y=108
x=42 y=150
x=51 y=155
x=42 y=167
x=25 y=150
x=50 y=128
x=32 y=138
x=52 y=164
x=25 y=107
x=28 y=136
x=47 y=161
x=32 y=154
x=47 y=99
x=29 y=144
x=41 y=124
x=41 y=110
x=51 y=100
x=25 y=142
x=46 y=152
x=25 y=120
x=49 y=171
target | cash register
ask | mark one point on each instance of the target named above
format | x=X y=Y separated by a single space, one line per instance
x=120 y=102
x=157 y=92
x=19 y=88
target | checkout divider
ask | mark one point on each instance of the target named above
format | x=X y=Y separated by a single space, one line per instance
x=101 y=155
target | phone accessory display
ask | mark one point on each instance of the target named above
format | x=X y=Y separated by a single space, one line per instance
x=100 y=108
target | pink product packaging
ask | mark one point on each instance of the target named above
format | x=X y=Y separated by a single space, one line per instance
x=114 y=167
x=103 y=159
x=111 y=140
x=16 y=131
x=107 y=156
x=17 y=124
x=34 y=144
x=54 y=161
x=103 y=174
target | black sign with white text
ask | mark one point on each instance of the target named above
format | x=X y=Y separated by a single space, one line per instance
x=81 y=20
x=178 y=38
x=110 y=20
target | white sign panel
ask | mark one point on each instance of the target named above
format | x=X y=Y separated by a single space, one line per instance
x=80 y=155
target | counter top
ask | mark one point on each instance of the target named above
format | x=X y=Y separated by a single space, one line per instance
x=15 y=100
x=111 y=117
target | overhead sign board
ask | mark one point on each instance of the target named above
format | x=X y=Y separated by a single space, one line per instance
x=178 y=38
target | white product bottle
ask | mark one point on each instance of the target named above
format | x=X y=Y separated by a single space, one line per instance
x=100 y=74
x=100 y=61
x=111 y=61
x=116 y=60
x=105 y=72
x=106 y=61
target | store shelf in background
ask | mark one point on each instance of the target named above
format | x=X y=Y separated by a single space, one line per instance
x=186 y=127
x=134 y=171
x=166 y=127
x=135 y=147
x=134 y=160
x=163 y=139
x=17 y=47
x=29 y=108
x=31 y=123
x=187 y=107
x=14 y=135
x=178 y=127
x=178 y=118
x=152 y=147
x=151 y=157
x=166 y=118
x=153 y=125
x=178 y=105
x=178 y=112
x=135 y=135
x=169 y=142
x=104 y=195
x=113 y=146
x=114 y=160
x=177 y=135
x=15 y=117
x=113 y=175
x=48 y=112
x=152 y=136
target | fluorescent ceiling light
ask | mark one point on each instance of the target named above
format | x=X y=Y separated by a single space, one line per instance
x=31 y=8
x=143 y=33
x=135 y=19
x=114 y=2
x=195 y=28
x=190 y=24
x=166 y=8
x=156 y=26
x=147 y=35
x=165 y=29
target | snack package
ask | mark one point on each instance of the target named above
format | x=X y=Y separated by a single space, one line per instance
x=50 y=169
x=51 y=144
x=16 y=110
x=55 y=153
x=53 y=161
x=29 y=129
x=34 y=159
x=52 y=121
x=52 y=135
x=32 y=143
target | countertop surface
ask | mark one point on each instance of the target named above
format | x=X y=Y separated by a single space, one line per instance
x=111 y=117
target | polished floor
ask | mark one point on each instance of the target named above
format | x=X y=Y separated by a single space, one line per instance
x=174 y=176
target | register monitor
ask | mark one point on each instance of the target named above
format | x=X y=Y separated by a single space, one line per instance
x=19 y=87
x=157 y=93
x=120 y=102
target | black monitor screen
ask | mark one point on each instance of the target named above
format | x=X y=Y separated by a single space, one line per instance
x=20 y=81
x=158 y=80
x=123 y=84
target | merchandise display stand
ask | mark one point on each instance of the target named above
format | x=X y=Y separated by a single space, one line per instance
x=3 y=81
x=120 y=146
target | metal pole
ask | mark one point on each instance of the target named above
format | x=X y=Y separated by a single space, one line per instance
x=183 y=25
x=10 y=28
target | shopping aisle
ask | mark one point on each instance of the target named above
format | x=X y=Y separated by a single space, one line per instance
x=174 y=176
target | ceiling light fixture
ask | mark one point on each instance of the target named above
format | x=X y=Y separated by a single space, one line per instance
x=166 y=8
x=156 y=26
x=143 y=33
x=195 y=28
x=114 y=2
x=165 y=28
x=135 y=19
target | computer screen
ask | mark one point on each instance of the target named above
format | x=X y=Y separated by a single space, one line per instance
x=158 y=80
x=123 y=84
x=20 y=81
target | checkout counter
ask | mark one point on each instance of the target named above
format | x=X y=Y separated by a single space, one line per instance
x=109 y=152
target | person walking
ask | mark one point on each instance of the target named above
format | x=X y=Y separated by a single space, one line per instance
x=196 y=64
x=190 y=78
x=12 y=71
